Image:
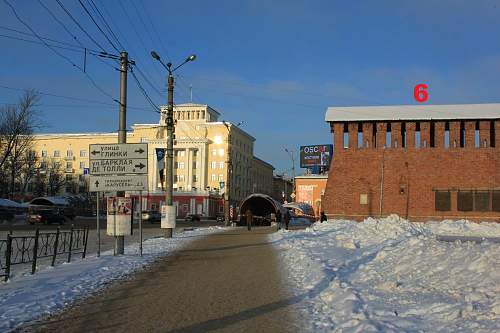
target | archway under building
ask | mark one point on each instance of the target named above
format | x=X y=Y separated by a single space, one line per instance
x=261 y=205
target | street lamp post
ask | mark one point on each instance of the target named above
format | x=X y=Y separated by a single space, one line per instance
x=169 y=122
x=290 y=152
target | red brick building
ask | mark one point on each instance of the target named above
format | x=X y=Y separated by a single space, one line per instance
x=418 y=161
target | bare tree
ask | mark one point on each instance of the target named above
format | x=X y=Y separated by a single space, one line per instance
x=56 y=179
x=17 y=125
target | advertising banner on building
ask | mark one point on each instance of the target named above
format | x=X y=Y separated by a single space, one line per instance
x=315 y=155
x=119 y=219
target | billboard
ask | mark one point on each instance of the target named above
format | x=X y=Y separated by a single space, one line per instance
x=315 y=156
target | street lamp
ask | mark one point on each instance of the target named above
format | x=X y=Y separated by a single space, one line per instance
x=169 y=158
x=290 y=152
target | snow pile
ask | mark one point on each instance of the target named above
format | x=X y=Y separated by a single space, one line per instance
x=391 y=275
x=465 y=228
x=28 y=297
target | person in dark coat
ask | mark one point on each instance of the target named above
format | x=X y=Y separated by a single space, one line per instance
x=286 y=218
x=249 y=219
x=323 y=217
x=278 y=218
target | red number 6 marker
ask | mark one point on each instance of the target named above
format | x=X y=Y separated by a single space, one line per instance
x=420 y=93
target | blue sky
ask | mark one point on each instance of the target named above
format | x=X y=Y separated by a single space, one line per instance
x=276 y=65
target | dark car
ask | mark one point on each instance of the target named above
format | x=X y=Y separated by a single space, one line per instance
x=151 y=216
x=6 y=215
x=192 y=217
x=46 y=216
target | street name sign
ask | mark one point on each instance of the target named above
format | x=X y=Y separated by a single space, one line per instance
x=119 y=183
x=118 y=151
x=119 y=166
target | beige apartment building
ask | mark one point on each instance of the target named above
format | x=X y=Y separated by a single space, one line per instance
x=200 y=157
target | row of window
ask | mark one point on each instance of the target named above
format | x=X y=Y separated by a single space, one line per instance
x=69 y=153
x=182 y=153
x=182 y=165
x=57 y=165
x=390 y=143
x=182 y=178
x=220 y=164
x=468 y=201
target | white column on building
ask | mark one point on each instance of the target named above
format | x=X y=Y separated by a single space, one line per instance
x=203 y=166
x=205 y=206
x=189 y=169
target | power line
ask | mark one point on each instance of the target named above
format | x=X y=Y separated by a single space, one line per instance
x=79 y=26
x=155 y=30
x=97 y=25
x=44 y=93
x=40 y=43
x=107 y=26
x=141 y=88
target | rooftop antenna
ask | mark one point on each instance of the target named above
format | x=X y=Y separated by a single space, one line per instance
x=191 y=92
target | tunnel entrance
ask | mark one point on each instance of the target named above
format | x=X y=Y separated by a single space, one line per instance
x=261 y=205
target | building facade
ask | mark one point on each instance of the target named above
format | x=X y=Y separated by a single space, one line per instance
x=282 y=189
x=200 y=159
x=420 y=162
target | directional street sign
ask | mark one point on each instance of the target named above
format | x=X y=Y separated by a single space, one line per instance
x=118 y=166
x=118 y=151
x=118 y=183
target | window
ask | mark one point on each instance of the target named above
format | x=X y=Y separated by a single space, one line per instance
x=176 y=165
x=181 y=178
x=195 y=178
x=492 y=133
x=464 y=201
x=388 y=136
x=462 y=134
x=83 y=153
x=374 y=135
x=477 y=140
x=181 y=165
x=176 y=179
x=181 y=153
x=442 y=201
x=214 y=177
x=214 y=152
x=69 y=153
x=360 y=139
x=403 y=134
x=214 y=165
x=69 y=165
x=221 y=165
x=195 y=165
x=195 y=152
x=433 y=134
x=417 y=135
x=44 y=153
x=221 y=178
x=82 y=165
x=447 y=135
x=43 y=165
x=57 y=153
x=346 y=136
x=221 y=152
x=69 y=178
x=481 y=201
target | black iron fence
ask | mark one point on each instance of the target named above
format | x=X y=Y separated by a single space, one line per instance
x=17 y=250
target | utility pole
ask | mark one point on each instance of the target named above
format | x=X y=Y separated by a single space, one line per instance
x=290 y=152
x=169 y=159
x=122 y=131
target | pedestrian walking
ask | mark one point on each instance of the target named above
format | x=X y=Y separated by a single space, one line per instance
x=323 y=217
x=278 y=218
x=249 y=215
x=286 y=218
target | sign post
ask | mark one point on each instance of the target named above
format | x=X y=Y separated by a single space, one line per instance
x=98 y=227
x=118 y=168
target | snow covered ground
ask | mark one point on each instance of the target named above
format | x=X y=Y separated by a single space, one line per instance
x=27 y=297
x=389 y=275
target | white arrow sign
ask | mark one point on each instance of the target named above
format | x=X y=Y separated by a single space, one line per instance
x=118 y=151
x=118 y=183
x=119 y=166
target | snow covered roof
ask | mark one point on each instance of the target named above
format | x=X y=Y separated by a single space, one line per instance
x=413 y=112
x=9 y=203
x=302 y=206
x=57 y=201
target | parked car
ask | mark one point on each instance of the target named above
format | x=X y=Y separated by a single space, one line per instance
x=193 y=217
x=46 y=216
x=151 y=216
x=6 y=215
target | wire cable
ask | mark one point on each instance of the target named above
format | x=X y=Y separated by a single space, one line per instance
x=106 y=25
x=97 y=25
